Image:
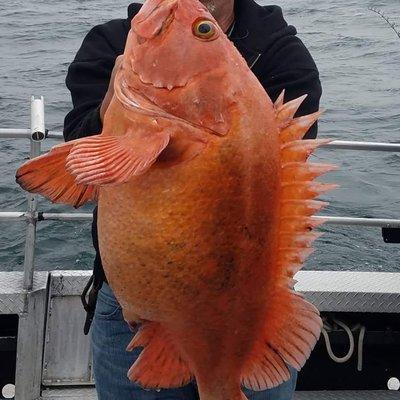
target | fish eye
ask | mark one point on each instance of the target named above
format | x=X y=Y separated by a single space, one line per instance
x=204 y=29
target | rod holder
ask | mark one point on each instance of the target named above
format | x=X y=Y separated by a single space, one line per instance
x=38 y=134
x=38 y=130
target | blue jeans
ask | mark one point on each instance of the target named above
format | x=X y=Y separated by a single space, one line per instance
x=111 y=362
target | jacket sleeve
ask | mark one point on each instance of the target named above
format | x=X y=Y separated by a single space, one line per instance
x=88 y=78
x=288 y=65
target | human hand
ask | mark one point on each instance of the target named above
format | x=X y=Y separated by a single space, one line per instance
x=110 y=91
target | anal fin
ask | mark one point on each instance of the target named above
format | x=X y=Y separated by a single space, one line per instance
x=160 y=364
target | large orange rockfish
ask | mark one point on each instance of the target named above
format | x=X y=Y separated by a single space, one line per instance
x=205 y=202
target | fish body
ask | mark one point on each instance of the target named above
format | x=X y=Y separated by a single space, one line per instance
x=204 y=205
x=191 y=246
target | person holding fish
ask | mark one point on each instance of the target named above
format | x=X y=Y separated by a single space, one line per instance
x=156 y=71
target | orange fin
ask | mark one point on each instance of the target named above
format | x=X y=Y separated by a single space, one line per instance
x=159 y=364
x=292 y=328
x=299 y=127
x=294 y=208
x=285 y=112
x=305 y=190
x=280 y=100
x=300 y=171
x=47 y=175
x=292 y=325
x=299 y=328
x=109 y=160
x=304 y=240
x=300 y=150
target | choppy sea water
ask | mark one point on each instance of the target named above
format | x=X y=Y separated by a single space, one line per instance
x=358 y=57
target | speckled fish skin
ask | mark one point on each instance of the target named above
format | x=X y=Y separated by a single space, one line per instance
x=185 y=245
x=205 y=207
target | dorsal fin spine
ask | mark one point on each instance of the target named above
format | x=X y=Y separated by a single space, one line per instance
x=292 y=325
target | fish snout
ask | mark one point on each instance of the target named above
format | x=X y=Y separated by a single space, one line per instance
x=153 y=18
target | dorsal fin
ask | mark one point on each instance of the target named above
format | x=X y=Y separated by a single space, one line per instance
x=280 y=100
x=298 y=186
x=286 y=111
x=299 y=127
x=292 y=325
x=303 y=172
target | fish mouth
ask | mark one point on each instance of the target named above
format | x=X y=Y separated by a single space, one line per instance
x=159 y=84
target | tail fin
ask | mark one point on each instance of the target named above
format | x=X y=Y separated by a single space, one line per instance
x=292 y=325
x=47 y=175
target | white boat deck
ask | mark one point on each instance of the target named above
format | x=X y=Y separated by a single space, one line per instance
x=90 y=394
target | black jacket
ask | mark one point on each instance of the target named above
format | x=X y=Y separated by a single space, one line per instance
x=270 y=46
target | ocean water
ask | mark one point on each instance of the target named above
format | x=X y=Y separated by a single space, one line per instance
x=358 y=57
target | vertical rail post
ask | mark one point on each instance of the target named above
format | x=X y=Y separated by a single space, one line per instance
x=37 y=136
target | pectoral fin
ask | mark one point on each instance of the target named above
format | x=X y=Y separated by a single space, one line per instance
x=48 y=176
x=110 y=160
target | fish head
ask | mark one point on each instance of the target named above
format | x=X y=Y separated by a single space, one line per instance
x=174 y=42
x=183 y=62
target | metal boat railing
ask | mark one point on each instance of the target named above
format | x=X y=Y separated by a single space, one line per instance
x=38 y=133
x=336 y=144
